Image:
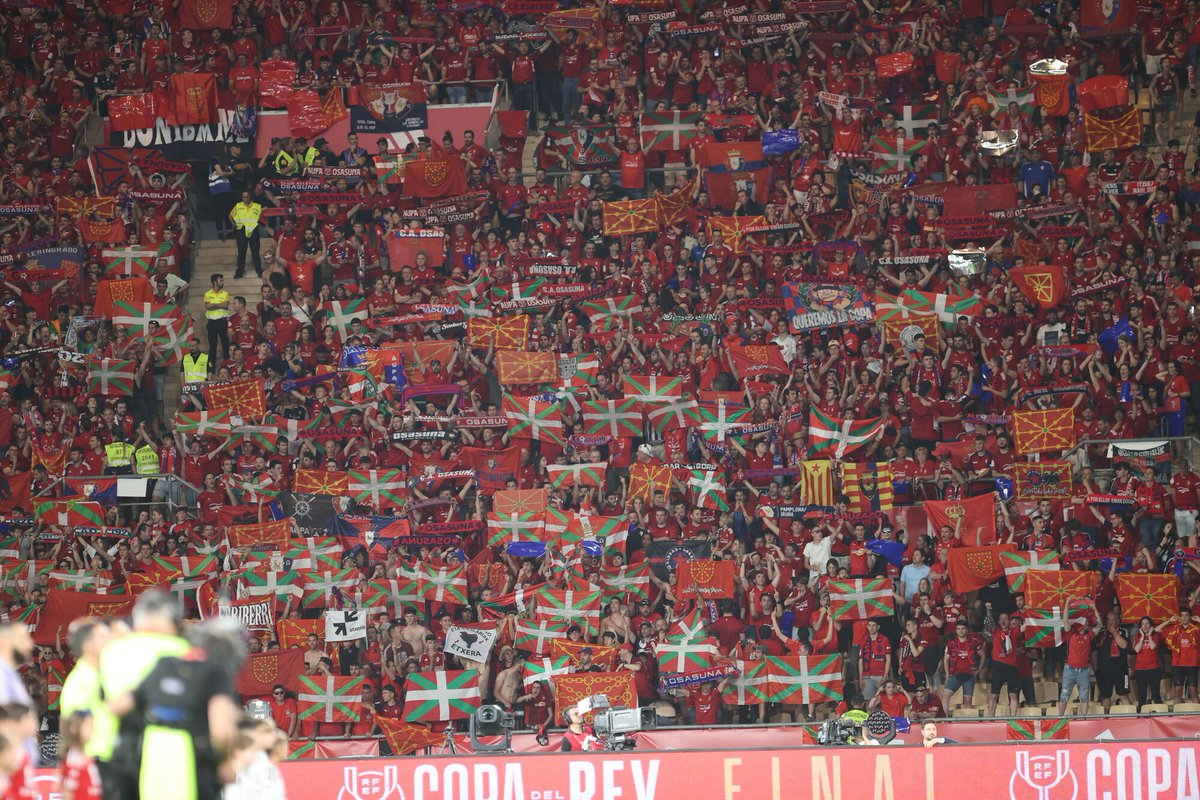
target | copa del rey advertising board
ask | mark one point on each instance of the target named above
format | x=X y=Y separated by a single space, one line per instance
x=1039 y=771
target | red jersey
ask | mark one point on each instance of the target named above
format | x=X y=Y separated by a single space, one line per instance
x=1079 y=648
x=1184 y=641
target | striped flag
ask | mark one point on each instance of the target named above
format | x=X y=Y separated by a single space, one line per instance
x=816 y=483
x=441 y=695
x=868 y=486
x=1037 y=730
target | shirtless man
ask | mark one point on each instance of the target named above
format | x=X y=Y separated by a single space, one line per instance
x=414 y=632
x=616 y=620
x=508 y=680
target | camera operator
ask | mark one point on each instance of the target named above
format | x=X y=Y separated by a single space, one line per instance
x=578 y=735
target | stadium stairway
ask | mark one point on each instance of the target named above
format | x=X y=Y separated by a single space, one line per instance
x=211 y=256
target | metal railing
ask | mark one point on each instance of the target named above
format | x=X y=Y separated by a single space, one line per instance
x=179 y=494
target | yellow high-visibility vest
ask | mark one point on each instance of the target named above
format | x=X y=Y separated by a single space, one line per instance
x=195 y=370
x=145 y=460
x=246 y=216
x=118 y=454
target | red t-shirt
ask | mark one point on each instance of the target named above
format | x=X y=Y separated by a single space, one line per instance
x=1185 y=644
x=706 y=706
x=1079 y=649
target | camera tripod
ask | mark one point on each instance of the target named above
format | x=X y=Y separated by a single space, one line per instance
x=448 y=746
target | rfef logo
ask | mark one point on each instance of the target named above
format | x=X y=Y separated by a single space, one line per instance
x=1043 y=777
x=371 y=784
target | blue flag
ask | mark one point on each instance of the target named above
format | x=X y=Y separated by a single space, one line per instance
x=892 y=551
x=778 y=143
x=1108 y=337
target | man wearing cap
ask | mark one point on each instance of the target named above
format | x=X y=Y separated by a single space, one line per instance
x=585 y=662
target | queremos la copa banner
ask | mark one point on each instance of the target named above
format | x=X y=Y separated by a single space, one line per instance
x=813 y=306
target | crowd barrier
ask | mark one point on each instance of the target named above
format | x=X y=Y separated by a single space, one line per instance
x=1028 y=771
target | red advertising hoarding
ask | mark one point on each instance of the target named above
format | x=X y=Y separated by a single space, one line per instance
x=1037 y=771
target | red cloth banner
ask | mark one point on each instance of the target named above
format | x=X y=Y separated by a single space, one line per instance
x=973 y=568
x=192 y=99
x=706 y=580
x=205 y=14
x=132 y=112
x=262 y=671
x=978 y=518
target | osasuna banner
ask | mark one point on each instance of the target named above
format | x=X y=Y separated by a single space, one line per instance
x=387 y=111
x=179 y=142
x=346 y=625
x=471 y=642
x=813 y=306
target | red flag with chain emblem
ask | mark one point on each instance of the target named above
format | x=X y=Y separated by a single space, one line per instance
x=505 y=332
x=262 y=671
x=1052 y=94
x=1042 y=431
x=134 y=291
x=240 y=398
x=646 y=479
x=973 y=568
x=618 y=686
x=1153 y=596
x=626 y=217
x=1047 y=589
x=295 y=632
x=706 y=580
x=1044 y=284
x=192 y=99
x=321 y=481
x=261 y=535
x=436 y=175
x=518 y=366
x=407 y=737
x=733 y=229
x=197 y=15
x=757 y=359
x=1119 y=132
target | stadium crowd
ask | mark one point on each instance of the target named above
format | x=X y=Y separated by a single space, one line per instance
x=724 y=379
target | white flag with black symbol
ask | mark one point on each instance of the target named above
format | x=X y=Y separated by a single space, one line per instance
x=345 y=626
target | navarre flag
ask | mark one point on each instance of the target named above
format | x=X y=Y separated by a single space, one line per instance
x=261 y=672
x=519 y=366
x=734 y=231
x=619 y=687
x=192 y=98
x=499 y=332
x=241 y=398
x=1042 y=431
x=261 y=535
x=972 y=568
x=438 y=174
x=321 y=481
x=751 y=360
x=441 y=695
x=1053 y=94
x=868 y=486
x=1044 y=589
x=1150 y=595
x=405 y=738
x=837 y=437
x=646 y=480
x=1044 y=284
x=861 y=598
x=804 y=679
x=329 y=698
x=132 y=112
x=706 y=580
x=1017 y=564
x=627 y=217
x=978 y=516
x=1037 y=480
x=195 y=15
x=1119 y=132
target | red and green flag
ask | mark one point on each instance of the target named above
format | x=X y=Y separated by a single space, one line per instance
x=586 y=474
x=606 y=313
x=1037 y=730
x=504 y=529
x=686 y=656
x=750 y=685
x=630 y=580
x=329 y=698
x=615 y=418
x=111 y=376
x=533 y=418
x=669 y=131
x=380 y=488
x=581 y=608
x=545 y=668
x=441 y=695
x=70 y=513
x=708 y=490
x=861 y=598
x=838 y=437
x=534 y=635
x=804 y=679
x=1017 y=564
x=318 y=586
x=443 y=584
x=893 y=152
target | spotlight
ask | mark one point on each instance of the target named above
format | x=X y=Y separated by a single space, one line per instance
x=491 y=721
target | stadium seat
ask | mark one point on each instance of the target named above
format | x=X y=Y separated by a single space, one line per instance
x=967 y=712
x=1185 y=708
x=1156 y=708
x=1121 y=708
x=1033 y=711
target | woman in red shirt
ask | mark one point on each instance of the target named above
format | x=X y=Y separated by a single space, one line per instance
x=1147 y=648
